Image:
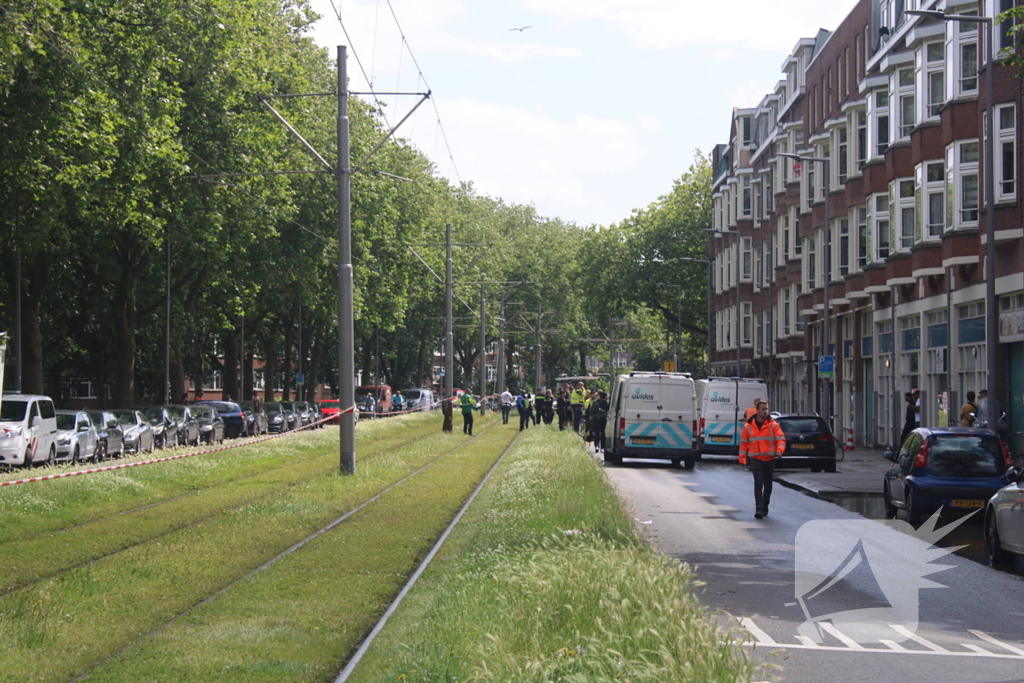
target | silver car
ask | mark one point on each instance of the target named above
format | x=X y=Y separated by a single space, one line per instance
x=138 y=434
x=77 y=438
x=1004 y=520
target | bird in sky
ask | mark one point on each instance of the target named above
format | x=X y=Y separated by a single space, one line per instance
x=520 y=29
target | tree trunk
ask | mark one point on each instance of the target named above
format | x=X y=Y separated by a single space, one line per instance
x=177 y=373
x=287 y=361
x=229 y=371
x=421 y=354
x=313 y=374
x=133 y=260
x=31 y=331
x=367 y=356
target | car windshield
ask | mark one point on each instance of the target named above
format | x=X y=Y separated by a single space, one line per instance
x=126 y=418
x=801 y=425
x=331 y=403
x=202 y=413
x=12 y=411
x=65 y=421
x=154 y=415
x=272 y=408
x=176 y=411
x=964 y=455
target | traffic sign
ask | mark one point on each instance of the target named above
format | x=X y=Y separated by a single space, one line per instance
x=300 y=379
x=827 y=367
x=669 y=366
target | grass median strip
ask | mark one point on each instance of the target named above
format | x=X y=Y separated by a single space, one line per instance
x=299 y=619
x=58 y=627
x=308 y=456
x=544 y=580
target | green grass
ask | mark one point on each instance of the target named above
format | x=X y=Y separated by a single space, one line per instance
x=58 y=627
x=544 y=580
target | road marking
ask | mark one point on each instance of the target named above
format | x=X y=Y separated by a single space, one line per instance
x=976 y=648
x=987 y=637
x=762 y=637
x=845 y=639
x=892 y=645
x=907 y=633
x=808 y=643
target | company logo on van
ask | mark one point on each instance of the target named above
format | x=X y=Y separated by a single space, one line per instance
x=715 y=398
x=637 y=396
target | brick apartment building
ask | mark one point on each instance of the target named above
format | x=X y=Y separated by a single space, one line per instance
x=896 y=103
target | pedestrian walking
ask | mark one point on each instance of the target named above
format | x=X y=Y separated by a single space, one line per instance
x=257 y=413
x=506 y=406
x=600 y=411
x=761 y=443
x=564 y=410
x=969 y=411
x=523 y=403
x=549 y=407
x=909 y=423
x=577 y=396
x=467 y=403
x=446 y=410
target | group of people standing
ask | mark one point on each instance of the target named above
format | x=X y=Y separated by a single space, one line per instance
x=585 y=412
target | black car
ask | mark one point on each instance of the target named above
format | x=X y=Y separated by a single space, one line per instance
x=292 y=414
x=276 y=418
x=211 y=424
x=809 y=443
x=165 y=427
x=188 y=428
x=111 y=434
x=232 y=415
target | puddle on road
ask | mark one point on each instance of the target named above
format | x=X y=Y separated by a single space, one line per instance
x=970 y=534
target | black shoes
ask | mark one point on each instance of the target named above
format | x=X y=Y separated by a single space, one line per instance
x=758 y=515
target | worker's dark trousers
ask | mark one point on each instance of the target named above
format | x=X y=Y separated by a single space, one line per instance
x=763 y=471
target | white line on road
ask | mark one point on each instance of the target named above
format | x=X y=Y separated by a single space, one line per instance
x=987 y=637
x=845 y=639
x=762 y=637
x=976 y=648
x=892 y=645
x=808 y=643
x=907 y=633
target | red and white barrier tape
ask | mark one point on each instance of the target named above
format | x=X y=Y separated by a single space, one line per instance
x=123 y=466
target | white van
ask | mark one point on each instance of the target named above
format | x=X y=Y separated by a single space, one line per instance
x=28 y=430
x=723 y=405
x=652 y=415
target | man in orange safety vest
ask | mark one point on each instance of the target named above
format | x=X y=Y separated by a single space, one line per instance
x=761 y=443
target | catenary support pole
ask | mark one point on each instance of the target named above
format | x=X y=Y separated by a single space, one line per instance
x=167 y=318
x=449 y=338
x=991 y=303
x=537 y=370
x=346 y=341
x=17 y=305
x=483 y=350
x=500 y=376
x=826 y=382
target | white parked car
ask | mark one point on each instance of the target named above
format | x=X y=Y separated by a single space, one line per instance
x=77 y=438
x=1004 y=519
x=28 y=430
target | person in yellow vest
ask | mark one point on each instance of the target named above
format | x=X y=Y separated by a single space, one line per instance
x=577 y=396
x=761 y=444
x=467 y=403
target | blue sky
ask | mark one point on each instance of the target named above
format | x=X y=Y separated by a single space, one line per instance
x=593 y=111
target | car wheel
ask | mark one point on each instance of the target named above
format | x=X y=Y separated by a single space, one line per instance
x=890 y=509
x=913 y=514
x=75 y=455
x=27 y=462
x=51 y=456
x=997 y=556
x=612 y=458
x=688 y=463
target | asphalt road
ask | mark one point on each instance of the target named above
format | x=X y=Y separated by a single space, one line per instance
x=967 y=626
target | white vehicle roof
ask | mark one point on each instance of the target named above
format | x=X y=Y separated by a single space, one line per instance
x=25 y=397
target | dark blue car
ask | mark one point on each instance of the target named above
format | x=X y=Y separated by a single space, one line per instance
x=231 y=413
x=956 y=469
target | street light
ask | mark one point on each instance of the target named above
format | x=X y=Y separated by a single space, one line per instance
x=991 y=313
x=708 y=263
x=679 y=320
x=826 y=394
x=739 y=322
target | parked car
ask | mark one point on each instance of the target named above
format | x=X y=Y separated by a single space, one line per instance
x=305 y=412
x=165 y=427
x=381 y=395
x=188 y=428
x=291 y=415
x=418 y=399
x=76 y=437
x=277 y=419
x=138 y=433
x=110 y=434
x=248 y=409
x=957 y=469
x=330 y=407
x=211 y=424
x=809 y=443
x=231 y=413
x=1004 y=520
x=28 y=430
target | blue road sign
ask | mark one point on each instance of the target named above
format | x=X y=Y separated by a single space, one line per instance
x=827 y=367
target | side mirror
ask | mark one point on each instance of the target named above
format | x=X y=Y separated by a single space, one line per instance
x=889 y=455
x=1013 y=473
x=83 y=428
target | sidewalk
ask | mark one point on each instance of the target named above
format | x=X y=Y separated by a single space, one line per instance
x=859 y=473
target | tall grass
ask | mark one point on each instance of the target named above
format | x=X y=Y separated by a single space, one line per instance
x=546 y=581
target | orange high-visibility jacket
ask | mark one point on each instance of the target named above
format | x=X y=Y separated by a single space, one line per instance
x=751 y=412
x=764 y=443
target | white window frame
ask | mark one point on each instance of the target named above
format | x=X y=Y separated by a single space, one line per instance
x=878 y=206
x=747 y=324
x=841 y=247
x=964 y=56
x=859 y=122
x=904 y=84
x=932 y=183
x=903 y=210
x=746 y=205
x=1005 y=158
x=810 y=264
x=746 y=259
x=963 y=184
x=879 y=137
x=841 y=164
x=933 y=94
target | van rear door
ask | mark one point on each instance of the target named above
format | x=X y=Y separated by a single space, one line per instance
x=676 y=413
x=642 y=411
x=721 y=414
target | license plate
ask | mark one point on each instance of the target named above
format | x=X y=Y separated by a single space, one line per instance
x=803 y=446
x=721 y=439
x=963 y=503
x=643 y=440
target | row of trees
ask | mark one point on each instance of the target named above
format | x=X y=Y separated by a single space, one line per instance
x=110 y=112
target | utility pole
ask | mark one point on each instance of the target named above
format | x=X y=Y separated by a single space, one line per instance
x=483 y=350
x=499 y=377
x=536 y=373
x=167 y=319
x=449 y=337
x=241 y=350
x=346 y=308
x=17 y=305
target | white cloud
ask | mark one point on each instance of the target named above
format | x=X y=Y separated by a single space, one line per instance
x=561 y=166
x=665 y=24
